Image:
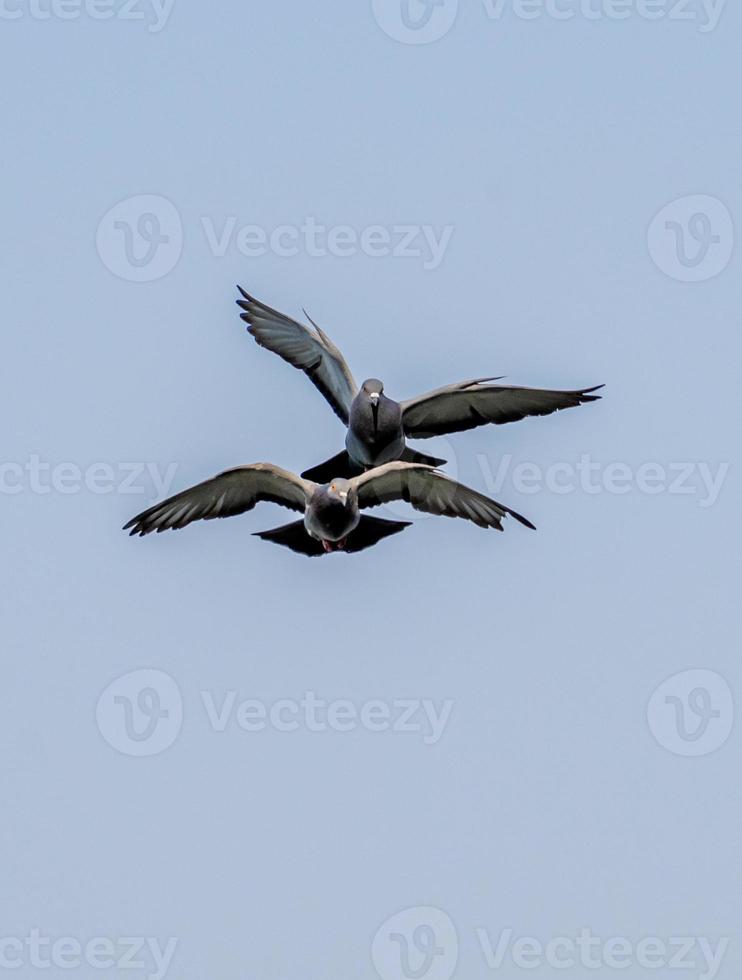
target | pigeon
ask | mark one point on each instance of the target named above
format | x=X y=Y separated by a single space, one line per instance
x=332 y=519
x=378 y=427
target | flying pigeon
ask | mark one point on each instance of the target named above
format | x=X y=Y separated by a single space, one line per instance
x=332 y=519
x=378 y=426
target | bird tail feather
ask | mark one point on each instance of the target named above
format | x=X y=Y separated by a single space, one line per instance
x=369 y=532
x=339 y=467
x=295 y=537
x=412 y=456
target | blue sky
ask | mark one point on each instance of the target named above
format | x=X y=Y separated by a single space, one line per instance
x=523 y=731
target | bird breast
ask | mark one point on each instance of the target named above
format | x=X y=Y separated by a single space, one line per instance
x=328 y=519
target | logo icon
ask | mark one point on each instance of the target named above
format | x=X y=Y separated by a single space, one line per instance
x=692 y=239
x=140 y=239
x=140 y=713
x=692 y=713
x=416 y=944
x=415 y=21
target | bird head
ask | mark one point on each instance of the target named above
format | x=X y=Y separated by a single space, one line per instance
x=373 y=389
x=341 y=490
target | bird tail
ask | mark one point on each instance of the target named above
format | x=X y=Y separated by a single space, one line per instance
x=342 y=467
x=369 y=532
x=412 y=456
x=339 y=467
x=295 y=537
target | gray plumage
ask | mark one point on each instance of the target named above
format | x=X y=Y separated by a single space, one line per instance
x=332 y=519
x=377 y=425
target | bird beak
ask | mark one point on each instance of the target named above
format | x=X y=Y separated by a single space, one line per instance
x=344 y=497
x=374 y=399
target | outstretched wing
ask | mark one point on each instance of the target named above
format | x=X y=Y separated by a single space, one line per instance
x=468 y=404
x=430 y=491
x=232 y=492
x=311 y=351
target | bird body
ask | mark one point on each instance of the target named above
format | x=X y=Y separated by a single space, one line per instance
x=332 y=513
x=375 y=434
x=378 y=427
x=332 y=519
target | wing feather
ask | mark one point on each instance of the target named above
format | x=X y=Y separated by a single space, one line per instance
x=311 y=351
x=430 y=491
x=232 y=492
x=468 y=404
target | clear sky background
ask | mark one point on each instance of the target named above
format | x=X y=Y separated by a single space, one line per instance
x=553 y=800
